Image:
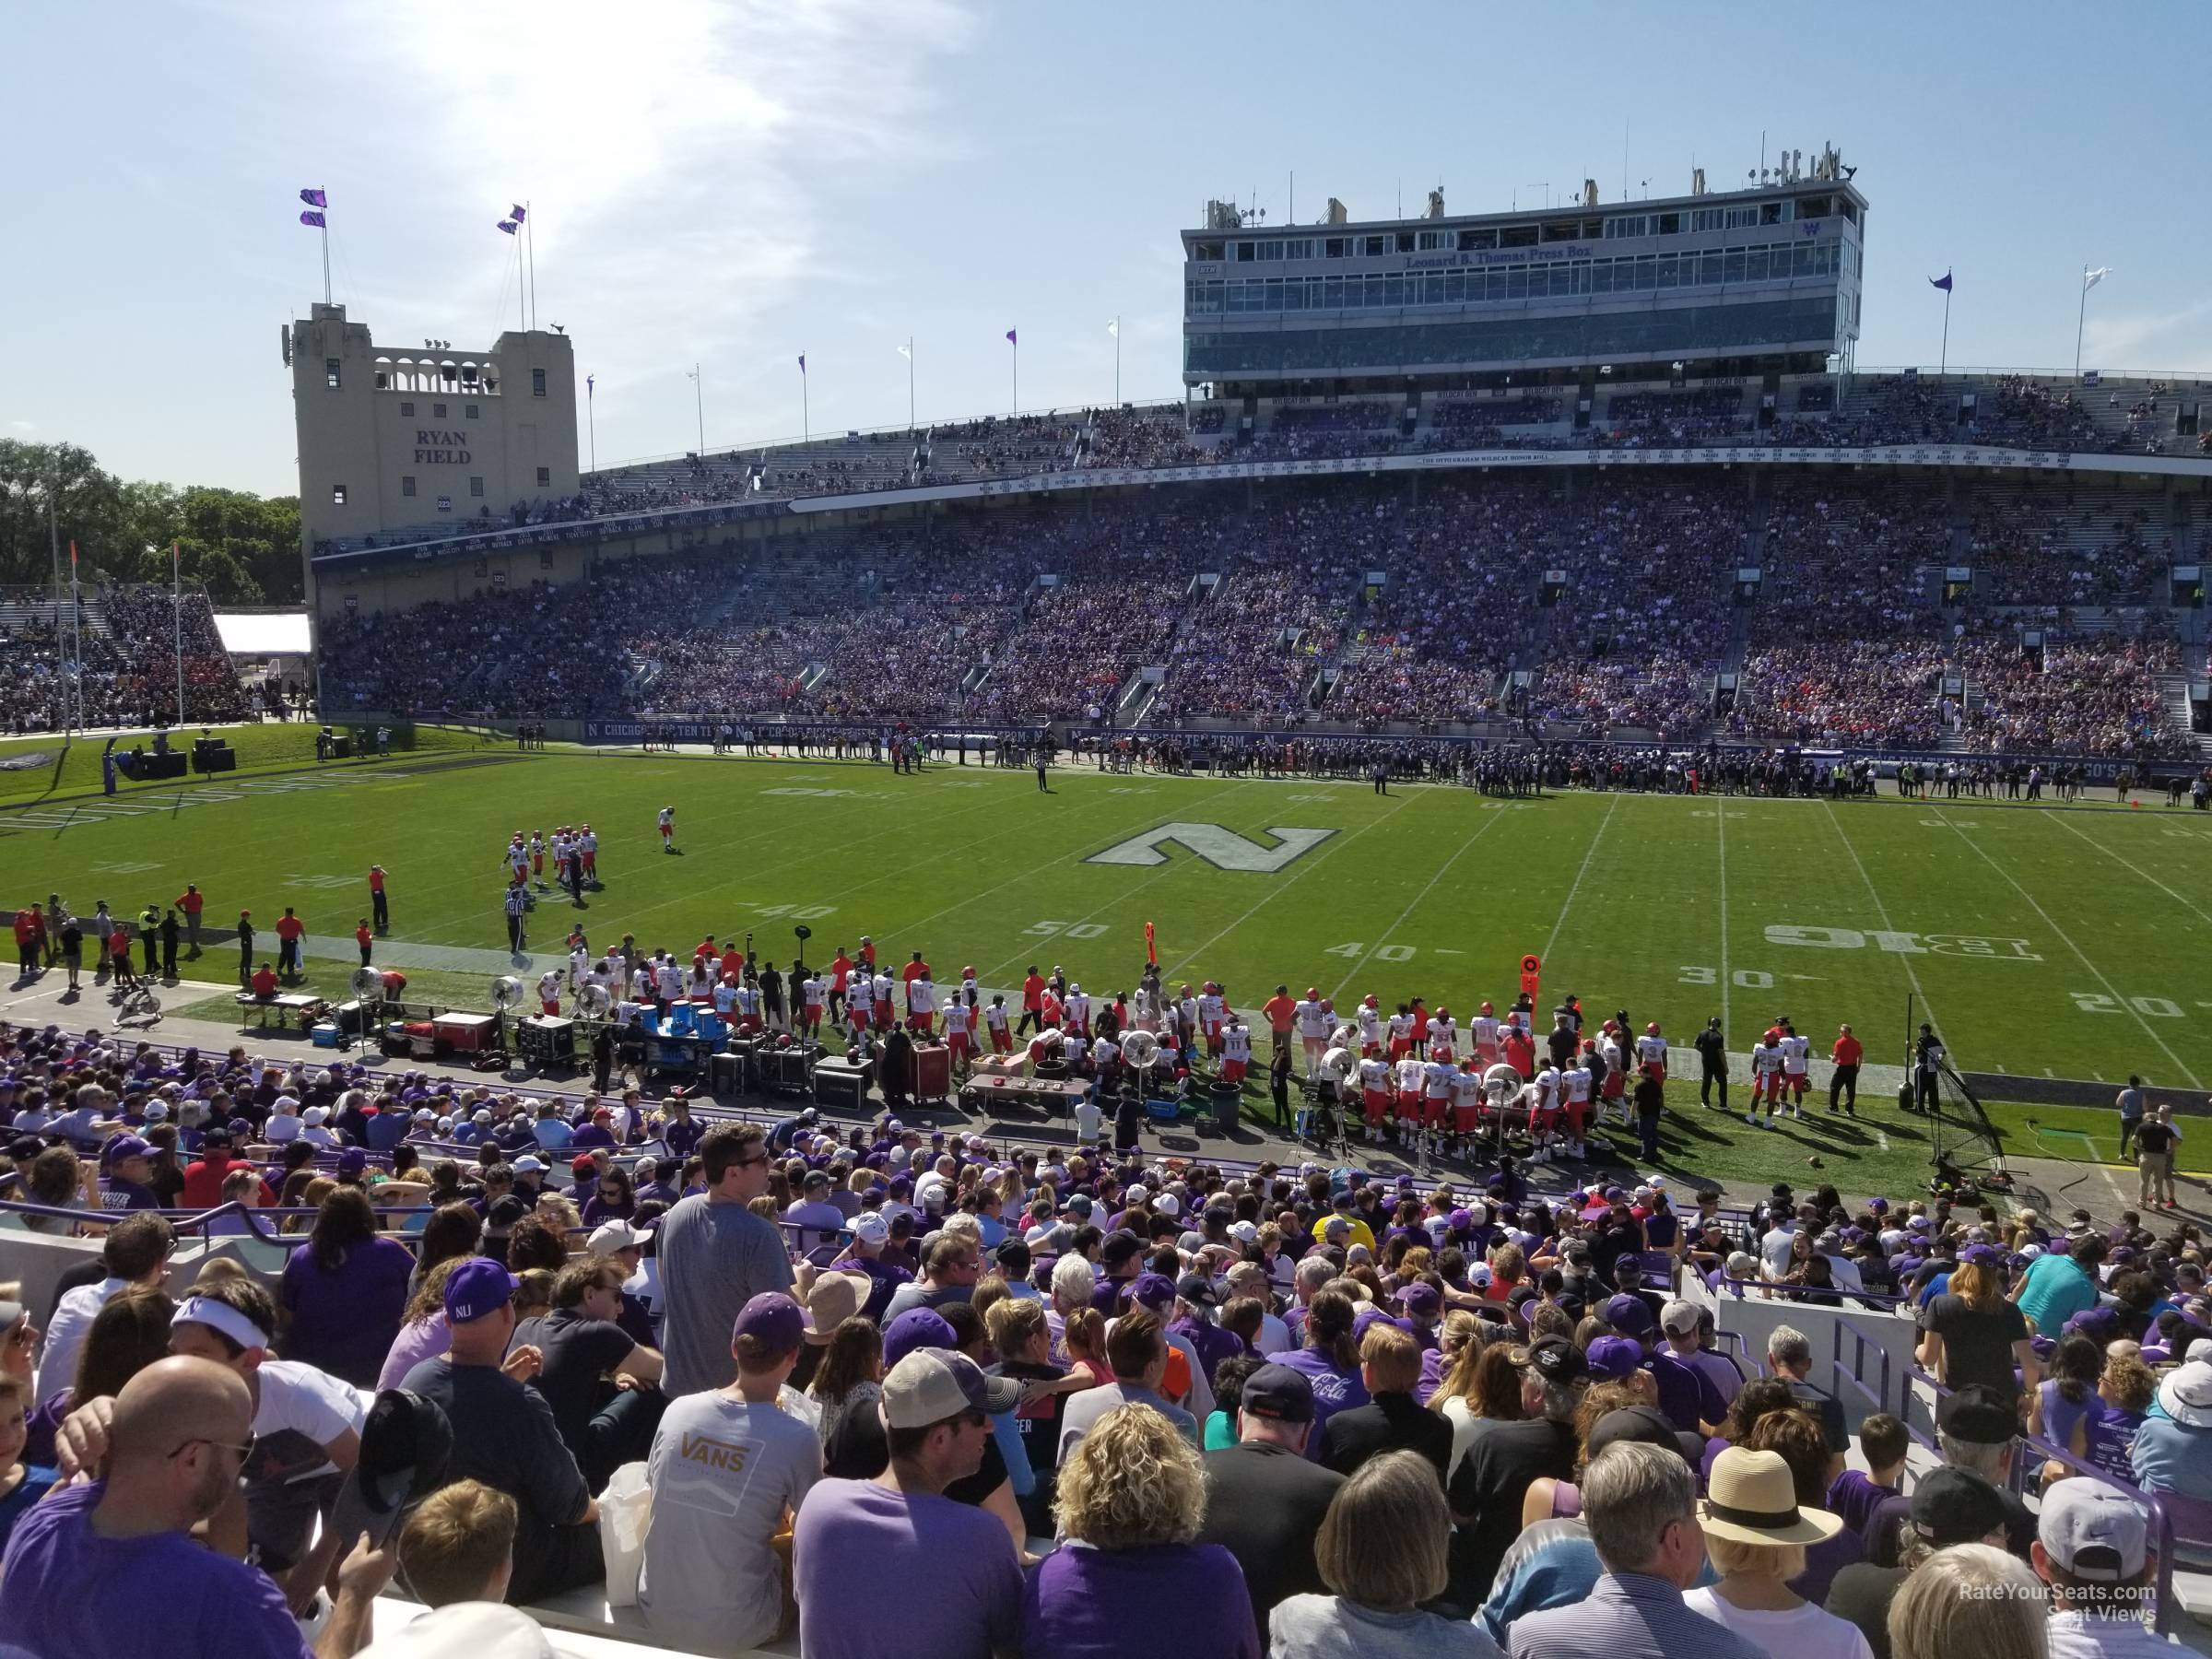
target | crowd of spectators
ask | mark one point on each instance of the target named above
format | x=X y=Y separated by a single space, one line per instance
x=1669 y=419
x=915 y=1392
x=1848 y=638
x=126 y=643
x=2074 y=697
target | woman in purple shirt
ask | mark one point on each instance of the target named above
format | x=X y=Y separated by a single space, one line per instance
x=1330 y=1359
x=344 y=1292
x=1130 y=1583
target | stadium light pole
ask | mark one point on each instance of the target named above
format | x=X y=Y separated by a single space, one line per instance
x=699 y=398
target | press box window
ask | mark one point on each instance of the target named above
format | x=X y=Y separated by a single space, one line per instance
x=468 y=412
x=407 y=411
x=330 y=372
x=337 y=495
x=406 y=486
x=537 y=382
x=545 y=476
x=476 y=487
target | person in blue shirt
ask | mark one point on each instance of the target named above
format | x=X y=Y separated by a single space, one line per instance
x=21 y=1484
x=2060 y=1285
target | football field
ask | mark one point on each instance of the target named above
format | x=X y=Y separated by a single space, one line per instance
x=2041 y=941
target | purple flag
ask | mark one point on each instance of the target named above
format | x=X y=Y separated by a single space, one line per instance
x=1010 y=339
x=315 y=198
x=516 y=214
x=1943 y=282
x=313 y=218
x=508 y=226
x=802 y=363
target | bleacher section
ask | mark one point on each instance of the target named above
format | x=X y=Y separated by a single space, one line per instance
x=126 y=638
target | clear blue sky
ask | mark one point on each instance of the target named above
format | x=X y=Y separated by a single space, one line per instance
x=737 y=182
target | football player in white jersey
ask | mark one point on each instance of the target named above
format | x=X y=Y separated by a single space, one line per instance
x=1375 y=1092
x=1444 y=1035
x=920 y=1004
x=587 y=847
x=881 y=990
x=815 y=994
x=1368 y=1018
x=1796 y=1068
x=996 y=1023
x=1482 y=1031
x=1311 y=1020
x=1467 y=1104
x=1766 y=1078
x=549 y=993
x=537 y=856
x=518 y=859
x=1079 y=1008
x=1651 y=1052
x=958 y=1017
x=668 y=828
x=1401 y=1033
x=1574 y=1104
x=860 y=1004
x=1410 y=1080
x=1236 y=1050
x=1543 y=1096
x=1436 y=1093
x=1186 y=1016
x=1211 y=1005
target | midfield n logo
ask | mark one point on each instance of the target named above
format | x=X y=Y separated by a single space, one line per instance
x=1224 y=849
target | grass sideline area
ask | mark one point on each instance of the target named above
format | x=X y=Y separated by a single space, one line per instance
x=264 y=746
x=2039 y=940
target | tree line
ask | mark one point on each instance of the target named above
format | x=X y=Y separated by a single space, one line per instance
x=243 y=549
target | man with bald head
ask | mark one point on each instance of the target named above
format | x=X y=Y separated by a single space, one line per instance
x=180 y=1432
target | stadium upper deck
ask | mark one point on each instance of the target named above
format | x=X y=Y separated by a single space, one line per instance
x=1745 y=282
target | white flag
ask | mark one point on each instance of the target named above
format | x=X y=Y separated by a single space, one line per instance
x=2090 y=278
x=1113 y=327
x=907 y=352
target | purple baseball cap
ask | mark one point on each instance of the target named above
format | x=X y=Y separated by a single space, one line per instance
x=774 y=1320
x=917 y=1328
x=1614 y=1357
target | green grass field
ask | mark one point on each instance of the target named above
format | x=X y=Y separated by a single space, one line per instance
x=2067 y=943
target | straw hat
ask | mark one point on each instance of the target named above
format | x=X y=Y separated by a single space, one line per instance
x=1754 y=1500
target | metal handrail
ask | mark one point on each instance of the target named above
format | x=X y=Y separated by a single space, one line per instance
x=1839 y=1374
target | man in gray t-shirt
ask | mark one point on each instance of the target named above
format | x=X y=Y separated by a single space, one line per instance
x=715 y=1255
x=727 y=1466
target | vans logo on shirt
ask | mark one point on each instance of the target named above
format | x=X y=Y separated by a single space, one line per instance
x=712 y=1453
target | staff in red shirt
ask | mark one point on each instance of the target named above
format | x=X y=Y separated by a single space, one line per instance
x=189 y=902
x=290 y=930
x=1281 y=1014
x=364 y=938
x=379 y=907
x=1032 y=1002
x=841 y=971
x=1847 y=1053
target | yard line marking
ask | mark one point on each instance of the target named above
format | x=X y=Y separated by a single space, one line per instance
x=1882 y=1140
x=1306 y=867
x=1720 y=817
x=2127 y=864
x=1882 y=910
x=1488 y=825
x=1588 y=853
x=2060 y=935
x=1165 y=870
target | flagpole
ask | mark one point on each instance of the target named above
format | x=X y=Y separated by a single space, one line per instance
x=806 y=420
x=530 y=231
x=53 y=537
x=176 y=594
x=324 y=228
x=77 y=638
x=2080 y=319
x=910 y=382
x=1016 y=344
x=1944 y=361
x=1117 y=362
x=591 y=415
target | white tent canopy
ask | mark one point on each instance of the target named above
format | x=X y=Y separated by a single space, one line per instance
x=264 y=633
